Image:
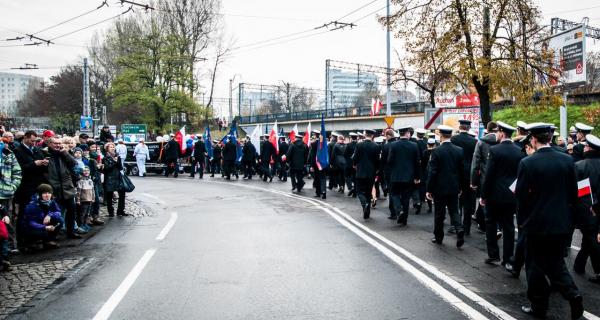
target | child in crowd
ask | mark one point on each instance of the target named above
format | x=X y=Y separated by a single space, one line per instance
x=85 y=197
x=4 y=221
x=78 y=155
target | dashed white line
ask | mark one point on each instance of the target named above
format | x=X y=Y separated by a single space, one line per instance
x=114 y=300
x=163 y=233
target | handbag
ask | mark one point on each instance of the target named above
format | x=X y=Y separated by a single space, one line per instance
x=125 y=183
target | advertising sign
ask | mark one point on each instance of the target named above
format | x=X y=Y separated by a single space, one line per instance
x=451 y=116
x=133 y=132
x=569 y=62
x=459 y=101
x=86 y=124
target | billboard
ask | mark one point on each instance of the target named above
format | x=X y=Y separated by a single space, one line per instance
x=133 y=132
x=569 y=60
x=86 y=124
x=460 y=101
x=451 y=116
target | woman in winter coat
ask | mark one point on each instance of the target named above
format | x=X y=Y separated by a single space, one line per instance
x=112 y=167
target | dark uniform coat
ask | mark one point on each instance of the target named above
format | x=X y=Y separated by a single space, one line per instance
x=546 y=193
x=199 y=150
x=467 y=143
x=229 y=151
x=403 y=161
x=248 y=153
x=501 y=172
x=366 y=159
x=588 y=168
x=348 y=152
x=446 y=167
x=338 y=160
x=297 y=155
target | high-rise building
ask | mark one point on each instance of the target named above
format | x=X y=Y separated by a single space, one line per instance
x=13 y=87
x=347 y=87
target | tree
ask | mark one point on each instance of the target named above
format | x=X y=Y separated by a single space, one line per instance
x=493 y=42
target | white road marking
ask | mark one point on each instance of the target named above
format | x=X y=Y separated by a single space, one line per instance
x=163 y=234
x=590 y=316
x=114 y=300
x=159 y=200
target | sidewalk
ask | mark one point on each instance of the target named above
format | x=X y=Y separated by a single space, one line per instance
x=35 y=275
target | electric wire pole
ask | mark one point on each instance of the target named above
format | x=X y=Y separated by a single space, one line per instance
x=388 y=94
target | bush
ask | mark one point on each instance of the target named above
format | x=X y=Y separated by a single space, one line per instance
x=589 y=114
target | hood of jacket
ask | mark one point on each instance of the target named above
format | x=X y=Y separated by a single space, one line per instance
x=490 y=139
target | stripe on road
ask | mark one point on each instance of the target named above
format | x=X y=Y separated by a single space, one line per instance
x=163 y=234
x=114 y=300
x=159 y=200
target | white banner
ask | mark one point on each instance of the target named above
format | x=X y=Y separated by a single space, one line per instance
x=569 y=63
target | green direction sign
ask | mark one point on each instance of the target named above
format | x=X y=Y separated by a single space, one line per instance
x=133 y=132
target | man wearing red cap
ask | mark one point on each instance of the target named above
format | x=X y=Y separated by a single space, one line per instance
x=47 y=134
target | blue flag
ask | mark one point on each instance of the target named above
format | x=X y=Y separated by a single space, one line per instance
x=322 y=151
x=208 y=143
x=233 y=135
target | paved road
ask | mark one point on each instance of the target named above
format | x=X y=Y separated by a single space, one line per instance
x=252 y=250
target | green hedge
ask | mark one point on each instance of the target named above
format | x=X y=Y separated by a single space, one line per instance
x=589 y=114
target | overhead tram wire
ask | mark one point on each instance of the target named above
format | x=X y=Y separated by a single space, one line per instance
x=67 y=21
x=89 y=26
x=300 y=32
x=368 y=15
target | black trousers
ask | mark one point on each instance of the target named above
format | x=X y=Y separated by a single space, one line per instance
x=467 y=204
x=340 y=177
x=503 y=215
x=333 y=178
x=349 y=174
x=545 y=258
x=228 y=168
x=172 y=167
x=297 y=177
x=68 y=205
x=197 y=167
x=248 y=169
x=441 y=202
x=589 y=248
x=319 y=181
x=364 y=189
x=401 y=194
x=266 y=170
x=120 y=203
x=519 y=256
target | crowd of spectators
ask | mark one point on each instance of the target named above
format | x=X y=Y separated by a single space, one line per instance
x=52 y=187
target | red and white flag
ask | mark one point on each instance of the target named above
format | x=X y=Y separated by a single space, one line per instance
x=274 y=138
x=293 y=133
x=180 y=137
x=376 y=106
x=584 y=188
x=306 y=138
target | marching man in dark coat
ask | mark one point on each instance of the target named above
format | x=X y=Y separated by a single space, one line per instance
x=350 y=172
x=403 y=163
x=366 y=161
x=198 y=157
x=248 y=158
x=497 y=196
x=546 y=193
x=444 y=184
x=467 y=198
x=296 y=157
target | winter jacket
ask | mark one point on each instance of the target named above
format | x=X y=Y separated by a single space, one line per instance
x=60 y=171
x=480 y=157
x=172 y=150
x=85 y=190
x=35 y=212
x=32 y=175
x=112 y=170
x=10 y=174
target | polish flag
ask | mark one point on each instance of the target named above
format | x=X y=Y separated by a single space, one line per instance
x=584 y=188
x=274 y=138
x=293 y=133
x=306 y=138
x=376 y=106
x=180 y=137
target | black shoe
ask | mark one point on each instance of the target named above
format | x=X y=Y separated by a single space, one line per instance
x=6 y=265
x=366 y=211
x=350 y=193
x=512 y=270
x=271 y=179
x=393 y=217
x=460 y=239
x=212 y=175
x=418 y=210
x=579 y=269
x=73 y=236
x=492 y=261
x=436 y=241
x=534 y=313
x=576 y=307
x=111 y=215
x=595 y=279
x=324 y=196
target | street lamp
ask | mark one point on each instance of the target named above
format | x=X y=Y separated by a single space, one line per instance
x=231 y=97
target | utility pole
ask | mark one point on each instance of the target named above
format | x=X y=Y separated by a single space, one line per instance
x=388 y=94
x=230 y=100
x=86 y=89
x=327 y=62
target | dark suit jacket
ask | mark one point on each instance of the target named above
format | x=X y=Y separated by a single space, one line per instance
x=229 y=152
x=385 y=152
x=446 y=169
x=501 y=172
x=467 y=143
x=267 y=152
x=32 y=175
x=248 y=153
x=546 y=193
x=588 y=168
x=348 y=152
x=403 y=161
x=199 y=150
x=297 y=155
x=366 y=159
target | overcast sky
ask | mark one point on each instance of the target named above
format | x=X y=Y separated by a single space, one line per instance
x=299 y=61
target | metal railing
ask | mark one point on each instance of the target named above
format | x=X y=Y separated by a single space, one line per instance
x=397 y=108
